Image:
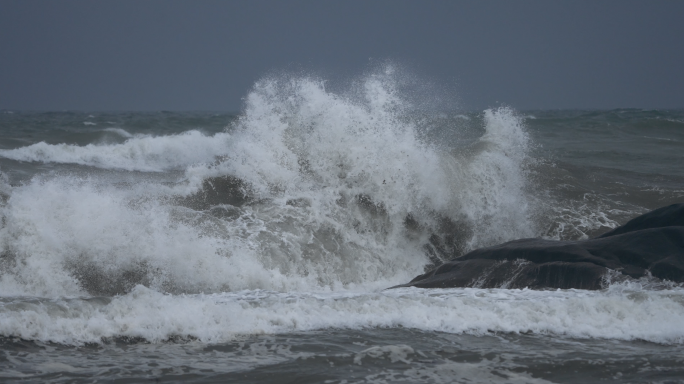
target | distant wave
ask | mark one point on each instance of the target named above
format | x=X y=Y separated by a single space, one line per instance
x=119 y=131
x=138 y=153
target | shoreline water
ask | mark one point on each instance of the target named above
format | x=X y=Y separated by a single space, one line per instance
x=204 y=246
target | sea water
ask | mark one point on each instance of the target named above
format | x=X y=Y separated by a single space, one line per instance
x=258 y=246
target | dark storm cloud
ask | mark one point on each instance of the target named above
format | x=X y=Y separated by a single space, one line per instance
x=205 y=55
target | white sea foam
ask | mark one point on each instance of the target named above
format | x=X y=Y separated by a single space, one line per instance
x=346 y=191
x=139 y=153
x=357 y=164
x=576 y=219
x=63 y=235
x=654 y=316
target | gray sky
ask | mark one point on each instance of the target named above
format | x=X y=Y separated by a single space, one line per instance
x=206 y=55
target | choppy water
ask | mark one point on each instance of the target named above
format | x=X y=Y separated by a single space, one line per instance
x=254 y=247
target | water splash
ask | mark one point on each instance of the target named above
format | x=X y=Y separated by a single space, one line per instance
x=311 y=190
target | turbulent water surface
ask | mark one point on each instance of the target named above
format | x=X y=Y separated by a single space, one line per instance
x=257 y=247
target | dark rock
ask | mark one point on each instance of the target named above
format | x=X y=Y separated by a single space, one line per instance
x=670 y=216
x=651 y=244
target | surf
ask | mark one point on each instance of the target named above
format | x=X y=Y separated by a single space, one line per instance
x=330 y=191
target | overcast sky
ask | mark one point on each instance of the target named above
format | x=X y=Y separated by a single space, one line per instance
x=206 y=55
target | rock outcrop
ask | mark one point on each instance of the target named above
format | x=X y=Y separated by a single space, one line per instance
x=651 y=244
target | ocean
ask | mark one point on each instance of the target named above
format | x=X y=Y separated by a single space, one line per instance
x=258 y=246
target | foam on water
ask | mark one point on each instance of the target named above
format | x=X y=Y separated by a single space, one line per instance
x=138 y=153
x=346 y=193
x=624 y=314
x=320 y=200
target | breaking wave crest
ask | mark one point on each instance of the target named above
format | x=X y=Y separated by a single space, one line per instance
x=310 y=190
x=138 y=153
x=149 y=315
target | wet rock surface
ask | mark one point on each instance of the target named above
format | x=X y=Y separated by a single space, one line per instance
x=648 y=245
